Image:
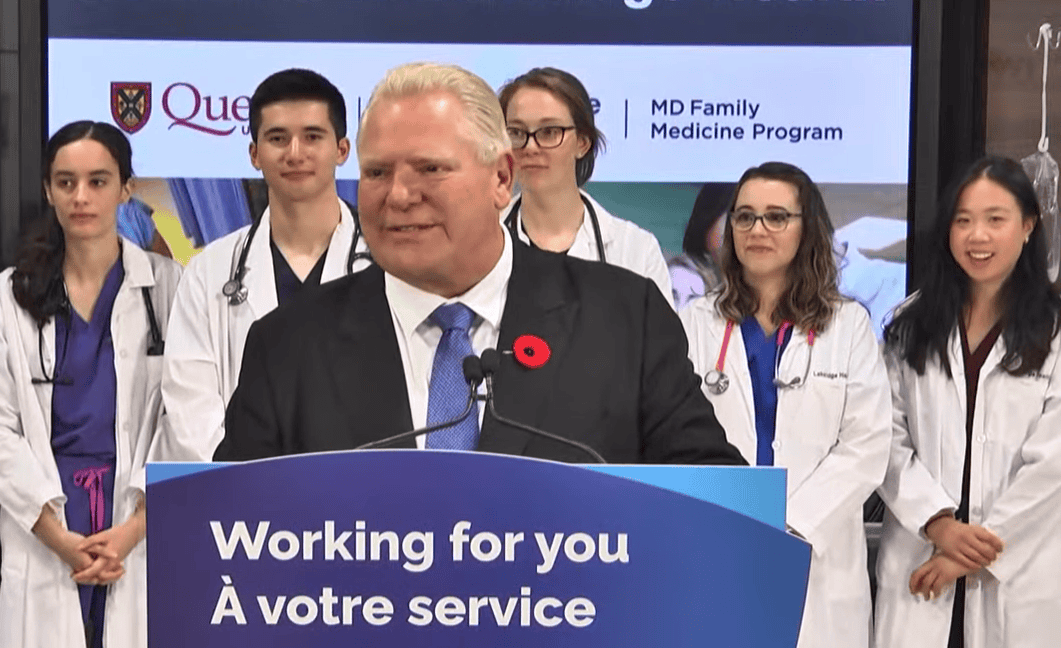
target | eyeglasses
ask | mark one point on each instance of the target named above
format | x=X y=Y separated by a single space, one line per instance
x=775 y=220
x=547 y=137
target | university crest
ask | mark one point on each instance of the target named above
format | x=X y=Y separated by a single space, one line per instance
x=130 y=105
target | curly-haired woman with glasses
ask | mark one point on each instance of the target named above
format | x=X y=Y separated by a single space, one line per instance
x=555 y=142
x=796 y=378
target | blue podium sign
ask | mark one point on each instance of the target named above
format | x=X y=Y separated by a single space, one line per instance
x=420 y=548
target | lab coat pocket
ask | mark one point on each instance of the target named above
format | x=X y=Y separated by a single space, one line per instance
x=1016 y=407
x=818 y=408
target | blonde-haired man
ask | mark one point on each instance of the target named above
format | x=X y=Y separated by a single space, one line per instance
x=379 y=353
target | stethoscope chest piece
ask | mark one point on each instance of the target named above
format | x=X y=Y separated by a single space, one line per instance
x=716 y=382
x=235 y=291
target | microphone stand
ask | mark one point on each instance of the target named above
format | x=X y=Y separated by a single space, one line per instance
x=473 y=373
x=491 y=362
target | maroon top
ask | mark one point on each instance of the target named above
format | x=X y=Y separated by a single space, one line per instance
x=974 y=362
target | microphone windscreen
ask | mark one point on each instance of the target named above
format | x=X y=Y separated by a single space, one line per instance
x=473 y=369
x=491 y=361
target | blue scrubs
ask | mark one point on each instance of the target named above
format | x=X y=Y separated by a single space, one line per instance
x=83 y=424
x=762 y=352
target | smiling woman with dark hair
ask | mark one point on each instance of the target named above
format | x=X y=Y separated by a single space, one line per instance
x=974 y=482
x=796 y=378
x=81 y=321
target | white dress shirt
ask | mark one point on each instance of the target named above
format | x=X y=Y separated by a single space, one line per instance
x=418 y=337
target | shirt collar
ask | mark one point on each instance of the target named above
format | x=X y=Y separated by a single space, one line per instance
x=412 y=306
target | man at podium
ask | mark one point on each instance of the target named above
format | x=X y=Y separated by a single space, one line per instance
x=587 y=352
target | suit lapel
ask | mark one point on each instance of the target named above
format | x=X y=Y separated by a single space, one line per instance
x=376 y=399
x=539 y=303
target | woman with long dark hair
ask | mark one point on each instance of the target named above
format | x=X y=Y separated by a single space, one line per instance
x=555 y=141
x=81 y=321
x=796 y=378
x=970 y=546
x=696 y=270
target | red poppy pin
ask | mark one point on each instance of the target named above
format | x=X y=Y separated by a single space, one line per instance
x=531 y=351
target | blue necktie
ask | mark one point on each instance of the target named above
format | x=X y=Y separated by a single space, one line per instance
x=448 y=391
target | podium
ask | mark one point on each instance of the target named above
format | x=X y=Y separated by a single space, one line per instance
x=425 y=548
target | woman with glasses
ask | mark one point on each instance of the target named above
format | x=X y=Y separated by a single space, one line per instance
x=555 y=141
x=971 y=544
x=81 y=320
x=796 y=378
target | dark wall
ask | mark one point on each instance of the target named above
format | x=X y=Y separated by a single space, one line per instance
x=950 y=114
x=22 y=111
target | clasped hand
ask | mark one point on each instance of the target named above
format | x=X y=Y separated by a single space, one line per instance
x=106 y=551
x=961 y=549
x=97 y=559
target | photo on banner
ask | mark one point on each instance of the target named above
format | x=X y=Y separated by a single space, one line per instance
x=688 y=94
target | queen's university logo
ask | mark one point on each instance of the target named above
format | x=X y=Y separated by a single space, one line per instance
x=130 y=105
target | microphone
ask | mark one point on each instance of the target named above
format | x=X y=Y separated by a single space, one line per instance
x=491 y=362
x=473 y=374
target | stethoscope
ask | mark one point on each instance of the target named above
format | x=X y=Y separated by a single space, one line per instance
x=510 y=223
x=237 y=292
x=717 y=382
x=156 y=346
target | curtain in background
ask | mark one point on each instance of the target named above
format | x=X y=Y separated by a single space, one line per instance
x=347 y=190
x=135 y=224
x=209 y=208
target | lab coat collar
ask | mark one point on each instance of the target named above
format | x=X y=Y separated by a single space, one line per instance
x=957 y=366
x=339 y=246
x=608 y=223
x=740 y=379
x=137 y=266
x=957 y=359
x=260 y=278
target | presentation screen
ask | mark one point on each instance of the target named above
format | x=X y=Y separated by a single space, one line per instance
x=688 y=94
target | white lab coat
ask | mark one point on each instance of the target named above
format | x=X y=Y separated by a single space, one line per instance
x=204 y=348
x=39 y=606
x=625 y=245
x=1014 y=490
x=831 y=434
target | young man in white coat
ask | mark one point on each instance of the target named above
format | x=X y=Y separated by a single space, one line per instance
x=307 y=236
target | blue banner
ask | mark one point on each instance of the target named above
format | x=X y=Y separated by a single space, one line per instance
x=677 y=22
x=404 y=548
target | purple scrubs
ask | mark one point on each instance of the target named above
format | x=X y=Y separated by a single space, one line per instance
x=762 y=352
x=83 y=422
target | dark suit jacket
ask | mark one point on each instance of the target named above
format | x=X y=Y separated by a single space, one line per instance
x=325 y=373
